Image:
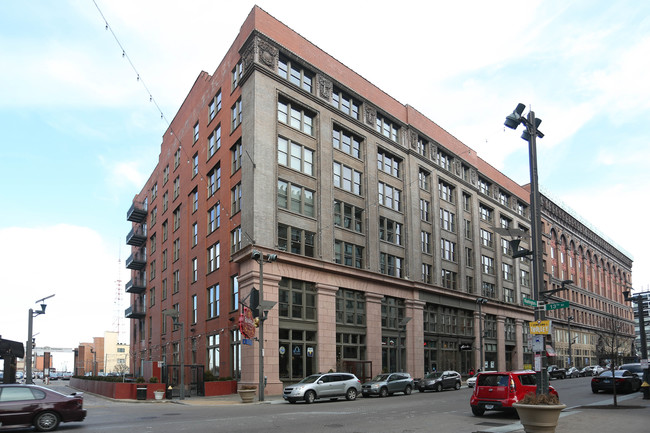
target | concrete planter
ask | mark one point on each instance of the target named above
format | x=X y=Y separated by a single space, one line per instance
x=247 y=395
x=539 y=418
x=158 y=395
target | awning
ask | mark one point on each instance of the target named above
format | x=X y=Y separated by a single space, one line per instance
x=550 y=351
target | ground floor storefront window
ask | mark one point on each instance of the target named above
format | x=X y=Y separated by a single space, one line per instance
x=297 y=352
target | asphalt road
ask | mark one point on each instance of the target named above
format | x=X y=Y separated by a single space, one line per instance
x=447 y=411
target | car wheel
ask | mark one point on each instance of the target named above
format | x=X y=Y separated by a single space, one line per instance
x=383 y=392
x=439 y=387
x=407 y=390
x=594 y=390
x=477 y=411
x=46 y=421
x=457 y=386
x=351 y=394
x=310 y=396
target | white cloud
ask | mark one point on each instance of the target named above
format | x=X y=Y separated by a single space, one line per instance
x=69 y=261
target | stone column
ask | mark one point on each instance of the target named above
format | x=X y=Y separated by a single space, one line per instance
x=518 y=362
x=501 y=343
x=478 y=364
x=373 y=331
x=326 y=302
x=415 y=338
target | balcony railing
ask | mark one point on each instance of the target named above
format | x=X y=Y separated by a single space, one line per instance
x=136 y=285
x=137 y=236
x=137 y=213
x=136 y=261
x=135 y=311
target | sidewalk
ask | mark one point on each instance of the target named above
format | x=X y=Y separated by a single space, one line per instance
x=632 y=415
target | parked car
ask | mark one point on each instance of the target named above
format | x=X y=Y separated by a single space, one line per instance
x=634 y=368
x=555 y=372
x=323 y=385
x=591 y=370
x=572 y=372
x=625 y=381
x=43 y=408
x=471 y=382
x=66 y=375
x=499 y=390
x=387 y=384
x=437 y=381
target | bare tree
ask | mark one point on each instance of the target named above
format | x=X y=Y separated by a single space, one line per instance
x=121 y=369
x=612 y=344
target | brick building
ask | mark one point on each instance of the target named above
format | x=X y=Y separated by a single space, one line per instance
x=383 y=224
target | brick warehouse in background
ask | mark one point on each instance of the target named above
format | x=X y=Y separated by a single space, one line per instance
x=383 y=223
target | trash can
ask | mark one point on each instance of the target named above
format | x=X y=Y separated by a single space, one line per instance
x=170 y=391
x=141 y=393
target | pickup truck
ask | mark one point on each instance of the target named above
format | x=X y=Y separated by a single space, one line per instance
x=555 y=372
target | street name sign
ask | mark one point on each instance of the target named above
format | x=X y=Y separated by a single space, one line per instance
x=557 y=306
x=529 y=302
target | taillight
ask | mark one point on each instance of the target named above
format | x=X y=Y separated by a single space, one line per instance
x=513 y=388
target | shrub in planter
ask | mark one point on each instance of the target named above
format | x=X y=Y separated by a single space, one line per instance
x=547 y=399
x=153 y=379
x=140 y=380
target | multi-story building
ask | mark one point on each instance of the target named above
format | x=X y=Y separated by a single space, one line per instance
x=383 y=224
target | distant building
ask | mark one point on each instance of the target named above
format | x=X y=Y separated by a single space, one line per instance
x=103 y=356
x=383 y=223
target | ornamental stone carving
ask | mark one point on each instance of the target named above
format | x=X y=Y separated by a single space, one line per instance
x=473 y=176
x=434 y=153
x=371 y=115
x=268 y=54
x=413 y=139
x=248 y=57
x=457 y=167
x=325 y=87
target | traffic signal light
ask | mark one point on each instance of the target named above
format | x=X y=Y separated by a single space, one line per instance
x=255 y=302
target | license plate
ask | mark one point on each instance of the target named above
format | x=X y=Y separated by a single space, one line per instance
x=489 y=406
x=606 y=381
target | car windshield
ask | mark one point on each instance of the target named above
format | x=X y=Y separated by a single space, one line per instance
x=634 y=368
x=380 y=378
x=310 y=379
x=433 y=375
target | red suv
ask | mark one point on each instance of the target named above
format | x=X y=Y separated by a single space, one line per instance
x=499 y=390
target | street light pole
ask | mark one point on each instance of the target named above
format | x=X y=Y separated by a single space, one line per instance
x=480 y=302
x=569 y=319
x=644 y=347
x=174 y=314
x=530 y=135
x=30 y=337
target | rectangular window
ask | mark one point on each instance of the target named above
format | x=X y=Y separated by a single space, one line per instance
x=165 y=201
x=489 y=290
x=176 y=283
x=469 y=258
x=505 y=222
x=467 y=202
x=176 y=252
x=389 y=196
x=195 y=270
x=296 y=198
x=425 y=238
x=234 y=293
x=235 y=240
x=297 y=300
x=387 y=128
x=447 y=220
x=486 y=238
x=196 y=132
x=388 y=163
x=177 y=218
x=152 y=297
x=487 y=265
x=214 y=141
x=236 y=74
x=295 y=116
x=444 y=160
x=152 y=243
x=505 y=247
x=235 y=196
x=177 y=187
x=213 y=301
x=391 y=265
x=195 y=305
x=164 y=260
x=164 y=230
x=348 y=254
x=424 y=210
x=195 y=201
x=177 y=158
x=468 y=229
x=214 y=257
x=195 y=234
x=296 y=240
x=448 y=250
x=390 y=231
x=486 y=213
x=295 y=73
x=449 y=279
x=521 y=208
x=484 y=186
x=423 y=179
x=164 y=289
x=345 y=103
x=165 y=175
x=214 y=218
x=348 y=216
x=504 y=198
x=235 y=115
x=215 y=105
x=426 y=273
x=347 y=178
x=524 y=278
x=507 y=272
x=446 y=191
x=236 y=156
x=422 y=147
x=295 y=156
x=154 y=191
x=154 y=215
x=346 y=141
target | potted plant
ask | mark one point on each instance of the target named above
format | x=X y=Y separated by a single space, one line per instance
x=539 y=413
x=247 y=393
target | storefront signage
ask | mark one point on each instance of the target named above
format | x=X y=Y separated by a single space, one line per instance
x=246 y=323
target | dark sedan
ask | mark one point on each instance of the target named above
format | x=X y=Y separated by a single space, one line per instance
x=625 y=381
x=437 y=381
x=43 y=408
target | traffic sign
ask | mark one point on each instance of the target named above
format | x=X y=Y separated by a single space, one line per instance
x=540 y=327
x=557 y=306
x=529 y=302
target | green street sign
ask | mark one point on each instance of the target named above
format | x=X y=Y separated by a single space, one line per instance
x=557 y=306
x=529 y=302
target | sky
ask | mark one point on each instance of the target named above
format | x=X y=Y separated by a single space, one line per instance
x=81 y=135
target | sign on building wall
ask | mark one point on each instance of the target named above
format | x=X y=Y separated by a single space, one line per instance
x=540 y=327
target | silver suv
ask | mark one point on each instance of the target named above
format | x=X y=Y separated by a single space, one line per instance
x=323 y=385
x=437 y=381
x=388 y=384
